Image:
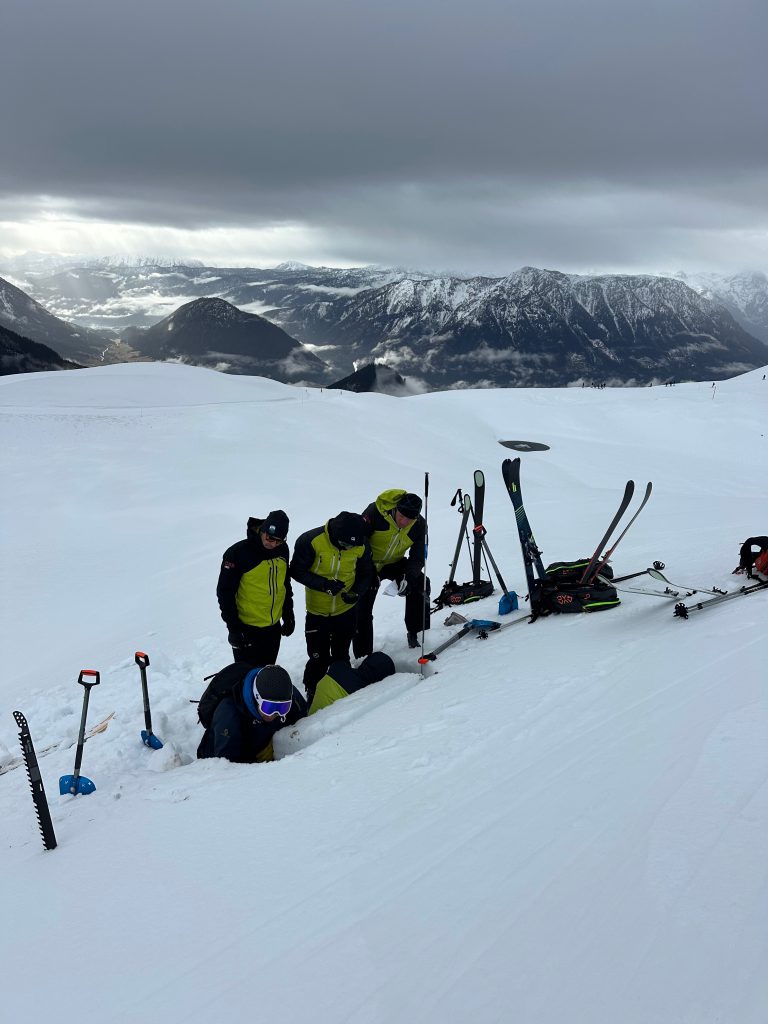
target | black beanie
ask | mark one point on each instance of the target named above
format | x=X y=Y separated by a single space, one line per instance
x=347 y=528
x=409 y=506
x=276 y=524
x=273 y=683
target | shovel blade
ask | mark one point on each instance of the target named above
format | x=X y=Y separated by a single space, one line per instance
x=508 y=603
x=455 y=619
x=150 y=740
x=69 y=785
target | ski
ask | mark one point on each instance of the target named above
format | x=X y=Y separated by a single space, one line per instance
x=682 y=610
x=35 y=783
x=657 y=575
x=592 y=564
x=17 y=762
x=606 y=557
x=510 y=470
x=483 y=629
x=477 y=516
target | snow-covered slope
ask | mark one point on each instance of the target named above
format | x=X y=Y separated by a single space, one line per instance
x=563 y=823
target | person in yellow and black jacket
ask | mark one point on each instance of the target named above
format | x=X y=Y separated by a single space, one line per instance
x=255 y=593
x=341 y=679
x=334 y=563
x=397 y=536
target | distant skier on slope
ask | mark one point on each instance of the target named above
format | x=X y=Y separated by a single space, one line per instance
x=334 y=563
x=243 y=708
x=395 y=530
x=254 y=591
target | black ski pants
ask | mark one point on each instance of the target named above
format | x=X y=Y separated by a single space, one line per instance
x=233 y=736
x=416 y=606
x=262 y=647
x=328 y=639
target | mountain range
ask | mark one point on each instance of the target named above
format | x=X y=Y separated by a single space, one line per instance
x=29 y=319
x=533 y=327
x=20 y=355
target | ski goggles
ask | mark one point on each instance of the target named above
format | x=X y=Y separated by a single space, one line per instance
x=267 y=708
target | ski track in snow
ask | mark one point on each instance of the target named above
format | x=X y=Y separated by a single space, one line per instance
x=565 y=822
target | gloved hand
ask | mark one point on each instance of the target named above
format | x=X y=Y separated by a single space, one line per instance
x=333 y=587
x=349 y=597
x=237 y=638
x=288 y=626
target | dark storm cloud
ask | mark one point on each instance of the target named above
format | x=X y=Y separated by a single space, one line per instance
x=435 y=124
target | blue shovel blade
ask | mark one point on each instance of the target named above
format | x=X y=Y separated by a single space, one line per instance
x=83 y=786
x=508 y=603
x=150 y=740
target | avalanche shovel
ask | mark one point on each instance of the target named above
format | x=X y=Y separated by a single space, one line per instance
x=148 y=738
x=78 y=783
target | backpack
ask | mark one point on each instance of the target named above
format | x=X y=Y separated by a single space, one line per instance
x=561 y=591
x=463 y=593
x=221 y=685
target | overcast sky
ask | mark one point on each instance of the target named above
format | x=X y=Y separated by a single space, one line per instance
x=476 y=137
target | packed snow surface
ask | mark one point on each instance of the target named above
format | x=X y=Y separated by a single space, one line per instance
x=562 y=824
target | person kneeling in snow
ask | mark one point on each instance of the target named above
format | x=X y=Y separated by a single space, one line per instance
x=341 y=679
x=243 y=708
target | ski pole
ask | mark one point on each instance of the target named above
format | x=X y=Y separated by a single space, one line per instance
x=148 y=738
x=658 y=566
x=425 y=599
x=77 y=783
x=464 y=509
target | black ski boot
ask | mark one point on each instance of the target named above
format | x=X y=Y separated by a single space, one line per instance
x=413 y=640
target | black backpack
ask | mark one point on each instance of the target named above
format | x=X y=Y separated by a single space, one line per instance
x=561 y=590
x=462 y=593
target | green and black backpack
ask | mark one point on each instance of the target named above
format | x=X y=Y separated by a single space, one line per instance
x=561 y=590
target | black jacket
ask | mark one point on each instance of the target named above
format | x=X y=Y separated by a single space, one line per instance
x=229 y=683
x=241 y=558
